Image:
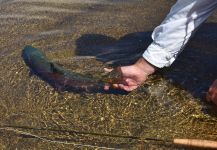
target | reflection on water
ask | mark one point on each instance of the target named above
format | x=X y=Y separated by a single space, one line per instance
x=169 y=105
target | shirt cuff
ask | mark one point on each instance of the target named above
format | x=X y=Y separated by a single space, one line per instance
x=158 y=56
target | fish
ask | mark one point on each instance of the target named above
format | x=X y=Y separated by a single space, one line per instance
x=59 y=78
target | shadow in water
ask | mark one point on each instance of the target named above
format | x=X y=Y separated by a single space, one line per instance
x=124 y=51
x=195 y=69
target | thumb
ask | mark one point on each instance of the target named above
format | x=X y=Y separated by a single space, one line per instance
x=108 y=70
x=130 y=82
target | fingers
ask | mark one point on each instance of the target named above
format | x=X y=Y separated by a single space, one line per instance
x=108 y=70
x=115 y=86
x=106 y=87
x=127 y=88
x=212 y=93
x=124 y=83
x=127 y=85
x=121 y=86
x=130 y=82
x=208 y=97
x=212 y=96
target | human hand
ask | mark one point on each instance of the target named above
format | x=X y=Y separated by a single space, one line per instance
x=212 y=93
x=131 y=77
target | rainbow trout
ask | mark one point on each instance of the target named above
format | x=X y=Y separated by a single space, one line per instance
x=59 y=78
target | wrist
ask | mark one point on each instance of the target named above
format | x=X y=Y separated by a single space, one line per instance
x=145 y=66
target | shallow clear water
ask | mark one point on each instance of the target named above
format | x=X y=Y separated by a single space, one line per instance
x=72 y=33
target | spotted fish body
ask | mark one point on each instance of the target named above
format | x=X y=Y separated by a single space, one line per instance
x=56 y=76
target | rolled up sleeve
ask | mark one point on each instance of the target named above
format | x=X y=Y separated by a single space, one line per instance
x=171 y=36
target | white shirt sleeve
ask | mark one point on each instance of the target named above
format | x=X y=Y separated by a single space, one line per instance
x=171 y=36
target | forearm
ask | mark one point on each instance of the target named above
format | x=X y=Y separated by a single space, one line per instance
x=171 y=36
